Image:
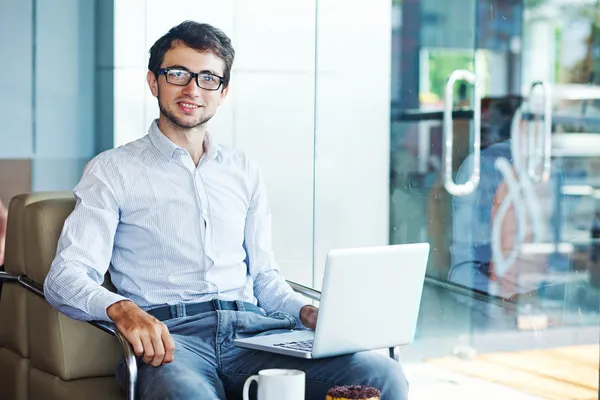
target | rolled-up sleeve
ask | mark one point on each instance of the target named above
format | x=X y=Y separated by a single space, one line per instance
x=270 y=287
x=73 y=285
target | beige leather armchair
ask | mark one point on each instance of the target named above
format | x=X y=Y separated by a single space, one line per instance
x=43 y=353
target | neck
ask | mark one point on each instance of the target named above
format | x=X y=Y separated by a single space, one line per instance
x=191 y=139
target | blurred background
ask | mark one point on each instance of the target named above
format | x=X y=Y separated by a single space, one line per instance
x=473 y=125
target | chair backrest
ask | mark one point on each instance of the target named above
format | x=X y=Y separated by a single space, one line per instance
x=60 y=345
x=14 y=346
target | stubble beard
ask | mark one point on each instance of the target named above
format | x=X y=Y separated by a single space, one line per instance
x=178 y=123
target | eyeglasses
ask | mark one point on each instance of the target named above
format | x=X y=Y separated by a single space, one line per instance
x=181 y=77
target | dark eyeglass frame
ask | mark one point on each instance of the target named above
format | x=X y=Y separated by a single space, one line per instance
x=196 y=75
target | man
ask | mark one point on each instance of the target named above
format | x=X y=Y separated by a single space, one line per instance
x=185 y=226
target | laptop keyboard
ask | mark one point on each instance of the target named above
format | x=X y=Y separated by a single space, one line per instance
x=302 y=345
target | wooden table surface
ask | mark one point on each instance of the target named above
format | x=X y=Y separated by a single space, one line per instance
x=564 y=373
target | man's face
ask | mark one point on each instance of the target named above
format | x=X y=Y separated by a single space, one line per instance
x=188 y=106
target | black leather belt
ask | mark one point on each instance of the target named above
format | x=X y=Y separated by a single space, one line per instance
x=185 y=310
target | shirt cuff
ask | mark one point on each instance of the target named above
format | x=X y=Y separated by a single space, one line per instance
x=101 y=302
x=294 y=305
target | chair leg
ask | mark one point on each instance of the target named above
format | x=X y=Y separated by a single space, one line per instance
x=395 y=353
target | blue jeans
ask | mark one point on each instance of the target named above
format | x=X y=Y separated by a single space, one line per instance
x=208 y=365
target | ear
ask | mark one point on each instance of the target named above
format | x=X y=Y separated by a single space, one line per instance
x=223 y=94
x=152 y=83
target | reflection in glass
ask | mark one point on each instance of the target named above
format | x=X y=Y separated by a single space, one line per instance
x=516 y=264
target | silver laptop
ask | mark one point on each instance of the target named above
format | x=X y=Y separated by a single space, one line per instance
x=370 y=300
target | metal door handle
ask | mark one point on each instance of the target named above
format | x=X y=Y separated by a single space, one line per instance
x=448 y=132
x=546 y=142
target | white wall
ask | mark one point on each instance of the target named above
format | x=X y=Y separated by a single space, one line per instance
x=353 y=126
x=270 y=111
x=273 y=116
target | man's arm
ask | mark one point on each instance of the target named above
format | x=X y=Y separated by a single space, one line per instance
x=73 y=285
x=270 y=288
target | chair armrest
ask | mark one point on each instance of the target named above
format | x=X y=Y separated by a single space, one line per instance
x=473 y=293
x=305 y=290
x=130 y=360
x=8 y=277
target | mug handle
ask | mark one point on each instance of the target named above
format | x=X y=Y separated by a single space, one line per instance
x=247 y=385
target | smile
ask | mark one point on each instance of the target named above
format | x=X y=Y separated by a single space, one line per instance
x=189 y=106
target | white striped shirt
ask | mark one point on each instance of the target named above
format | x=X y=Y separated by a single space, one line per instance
x=170 y=231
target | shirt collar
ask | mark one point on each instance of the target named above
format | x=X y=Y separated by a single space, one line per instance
x=169 y=149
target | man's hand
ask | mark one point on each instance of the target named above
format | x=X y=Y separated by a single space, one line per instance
x=148 y=336
x=309 y=315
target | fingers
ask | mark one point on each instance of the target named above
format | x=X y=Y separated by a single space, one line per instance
x=159 y=348
x=136 y=343
x=154 y=344
x=312 y=318
x=148 y=354
x=169 y=346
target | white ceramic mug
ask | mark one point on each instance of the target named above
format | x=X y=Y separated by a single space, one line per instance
x=277 y=384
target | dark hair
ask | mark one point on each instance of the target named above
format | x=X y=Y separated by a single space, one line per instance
x=201 y=37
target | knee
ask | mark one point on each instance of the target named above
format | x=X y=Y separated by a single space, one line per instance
x=174 y=382
x=163 y=392
x=386 y=375
x=160 y=386
x=394 y=383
